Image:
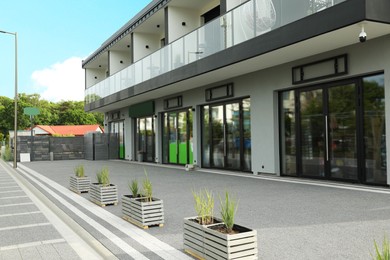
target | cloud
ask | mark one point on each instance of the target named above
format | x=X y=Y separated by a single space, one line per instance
x=62 y=81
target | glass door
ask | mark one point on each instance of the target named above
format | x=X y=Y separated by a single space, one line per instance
x=342 y=132
x=145 y=139
x=335 y=131
x=177 y=137
x=312 y=126
x=226 y=138
x=328 y=132
x=118 y=128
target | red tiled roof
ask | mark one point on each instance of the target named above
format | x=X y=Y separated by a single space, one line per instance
x=77 y=130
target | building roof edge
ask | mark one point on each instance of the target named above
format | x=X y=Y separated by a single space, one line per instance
x=134 y=22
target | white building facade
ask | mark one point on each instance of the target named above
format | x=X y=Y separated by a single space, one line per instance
x=284 y=87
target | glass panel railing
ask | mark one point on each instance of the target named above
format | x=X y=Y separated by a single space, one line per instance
x=177 y=50
x=243 y=23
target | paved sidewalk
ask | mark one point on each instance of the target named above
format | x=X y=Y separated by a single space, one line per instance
x=295 y=219
x=25 y=229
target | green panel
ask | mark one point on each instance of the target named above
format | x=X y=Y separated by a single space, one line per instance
x=183 y=153
x=121 y=151
x=142 y=109
x=172 y=152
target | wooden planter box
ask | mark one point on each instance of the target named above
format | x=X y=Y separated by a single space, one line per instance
x=242 y=245
x=79 y=184
x=103 y=195
x=141 y=213
x=194 y=236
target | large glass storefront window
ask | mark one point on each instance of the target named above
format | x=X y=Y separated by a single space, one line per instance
x=118 y=128
x=288 y=137
x=177 y=137
x=375 y=129
x=226 y=135
x=145 y=139
x=323 y=128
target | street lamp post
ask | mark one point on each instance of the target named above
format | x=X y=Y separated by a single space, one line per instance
x=16 y=95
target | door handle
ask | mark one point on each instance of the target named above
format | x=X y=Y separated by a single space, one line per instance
x=224 y=139
x=326 y=139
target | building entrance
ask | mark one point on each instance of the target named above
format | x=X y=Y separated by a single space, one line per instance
x=177 y=137
x=335 y=131
x=118 y=128
x=145 y=139
x=226 y=137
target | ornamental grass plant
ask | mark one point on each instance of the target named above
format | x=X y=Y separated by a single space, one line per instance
x=228 y=211
x=383 y=254
x=204 y=206
x=133 y=186
x=147 y=187
x=79 y=171
x=103 y=177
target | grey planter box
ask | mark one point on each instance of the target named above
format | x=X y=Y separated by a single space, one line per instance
x=103 y=195
x=242 y=245
x=194 y=236
x=143 y=214
x=79 y=184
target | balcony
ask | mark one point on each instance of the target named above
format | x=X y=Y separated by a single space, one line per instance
x=241 y=24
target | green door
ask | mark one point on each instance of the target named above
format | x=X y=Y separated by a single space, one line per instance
x=177 y=137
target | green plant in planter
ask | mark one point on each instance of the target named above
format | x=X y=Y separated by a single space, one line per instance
x=385 y=253
x=228 y=211
x=79 y=171
x=204 y=206
x=103 y=177
x=133 y=186
x=147 y=188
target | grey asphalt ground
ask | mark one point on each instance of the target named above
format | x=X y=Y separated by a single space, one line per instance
x=294 y=218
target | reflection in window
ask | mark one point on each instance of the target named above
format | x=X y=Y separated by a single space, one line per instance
x=375 y=129
x=287 y=122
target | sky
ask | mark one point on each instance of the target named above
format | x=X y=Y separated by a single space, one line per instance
x=54 y=37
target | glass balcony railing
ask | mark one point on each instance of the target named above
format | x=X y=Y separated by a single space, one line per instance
x=243 y=23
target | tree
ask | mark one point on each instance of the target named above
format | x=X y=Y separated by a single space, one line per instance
x=6 y=114
x=62 y=113
x=72 y=113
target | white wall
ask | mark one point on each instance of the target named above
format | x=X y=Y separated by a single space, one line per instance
x=176 y=16
x=115 y=61
x=141 y=40
x=93 y=76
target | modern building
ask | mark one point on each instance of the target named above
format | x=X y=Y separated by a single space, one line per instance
x=283 y=87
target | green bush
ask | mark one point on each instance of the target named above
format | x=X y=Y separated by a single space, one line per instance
x=7 y=156
x=103 y=177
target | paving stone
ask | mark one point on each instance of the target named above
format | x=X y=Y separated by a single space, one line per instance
x=66 y=251
x=11 y=201
x=18 y=220
x=30 y=253
x=18 y=209
x=13 y=254
x=28 y=235
x=47 y=251
x=11 y=194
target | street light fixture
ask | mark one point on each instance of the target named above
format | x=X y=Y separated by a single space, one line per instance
x=16 y=94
